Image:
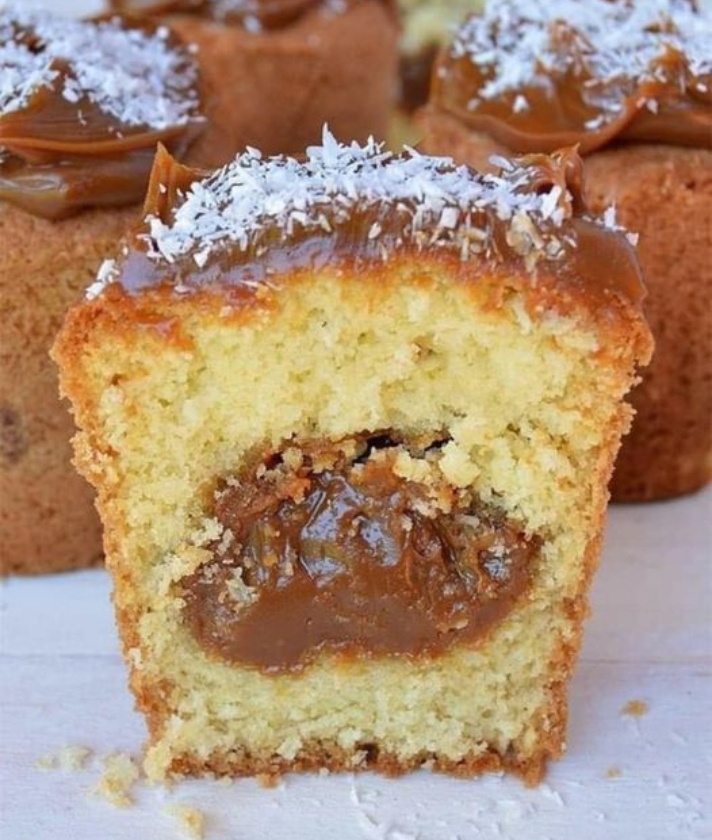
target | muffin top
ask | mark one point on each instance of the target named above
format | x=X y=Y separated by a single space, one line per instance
x=82 y=106
x=539 y=74
x=259 y=217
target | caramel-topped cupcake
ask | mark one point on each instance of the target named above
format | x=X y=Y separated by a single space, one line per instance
x=82 y=106
x=631 y=85
x=279 y=69
x=351 y=418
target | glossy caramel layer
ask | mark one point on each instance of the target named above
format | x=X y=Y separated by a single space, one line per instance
x=347 y=558
x=62 y=150
x=567 y=97
x=580 y=253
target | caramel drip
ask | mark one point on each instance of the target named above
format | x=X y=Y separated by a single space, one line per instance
x=574 y=108
x=345 y=561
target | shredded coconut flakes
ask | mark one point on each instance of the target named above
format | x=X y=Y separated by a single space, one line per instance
x=140 y=79
x=515 y=39
x=438 y=201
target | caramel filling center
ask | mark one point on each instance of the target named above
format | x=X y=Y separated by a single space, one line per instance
x=340 y=554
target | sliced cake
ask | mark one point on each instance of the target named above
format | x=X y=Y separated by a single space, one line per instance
x=351 y=419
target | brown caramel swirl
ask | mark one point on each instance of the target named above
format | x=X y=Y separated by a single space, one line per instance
x=254 y=15
x=259 y=217
x=78 y=129
x=538 y=78
x=341 y=555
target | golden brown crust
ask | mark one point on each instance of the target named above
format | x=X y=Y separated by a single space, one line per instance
x=316 y=756
x=47 y=517
x=665 y=194
x=276 y=89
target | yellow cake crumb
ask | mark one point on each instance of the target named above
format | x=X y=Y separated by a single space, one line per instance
x=635 y=708
x=69 y=759
x=192 y=820
x=269 y=780
x=119 y=775
x=613 y=772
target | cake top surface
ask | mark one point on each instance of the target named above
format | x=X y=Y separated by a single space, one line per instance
x=565 y=71
x=82 y=106
x=140 y=78
x=257 y=216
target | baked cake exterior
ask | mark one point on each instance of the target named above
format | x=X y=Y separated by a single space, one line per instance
x=76 y=146
x=630 y=84
x=276 y=70
x=351 y=420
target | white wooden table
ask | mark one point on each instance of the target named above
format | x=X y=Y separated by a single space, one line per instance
x=650 y=639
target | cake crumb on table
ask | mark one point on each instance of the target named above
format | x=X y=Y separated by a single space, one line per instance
x=269 y=780
x=635 y=708
x=192 y=820
x=69 y=759
x=613 y=772
x=118 y=777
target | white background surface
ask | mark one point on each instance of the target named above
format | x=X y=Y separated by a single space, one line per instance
x=62 y=682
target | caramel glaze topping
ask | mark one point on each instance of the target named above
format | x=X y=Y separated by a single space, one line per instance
x=62 y=150
x=257 y=218
x=341 y=555
x=254 y=15
x=538 y=81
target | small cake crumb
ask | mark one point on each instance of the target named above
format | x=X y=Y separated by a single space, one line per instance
x=120 y=774
x=613 y=772
x=635 y=708
x=192 y=820
x=269 y=780
x=69 y=759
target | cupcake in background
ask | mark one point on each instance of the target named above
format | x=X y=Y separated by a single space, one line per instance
x=277 y=70
x=82 y=108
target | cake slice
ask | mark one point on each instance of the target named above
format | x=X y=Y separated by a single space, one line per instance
x=351 y=421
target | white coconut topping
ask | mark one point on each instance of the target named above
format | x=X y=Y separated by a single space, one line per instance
x=440 y=202
x=620 y=42
x=138 y=78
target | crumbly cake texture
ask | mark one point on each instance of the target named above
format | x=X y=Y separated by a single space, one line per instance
x=137 y=77
x=660 y=191
x=174 y=385
x=623 y=43
x=275 y=88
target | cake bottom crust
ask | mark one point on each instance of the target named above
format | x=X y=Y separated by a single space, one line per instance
x=319 y=756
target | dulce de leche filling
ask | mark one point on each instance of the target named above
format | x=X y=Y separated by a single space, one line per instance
x=84 y=107
x=326 y=548
x=581 y=73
